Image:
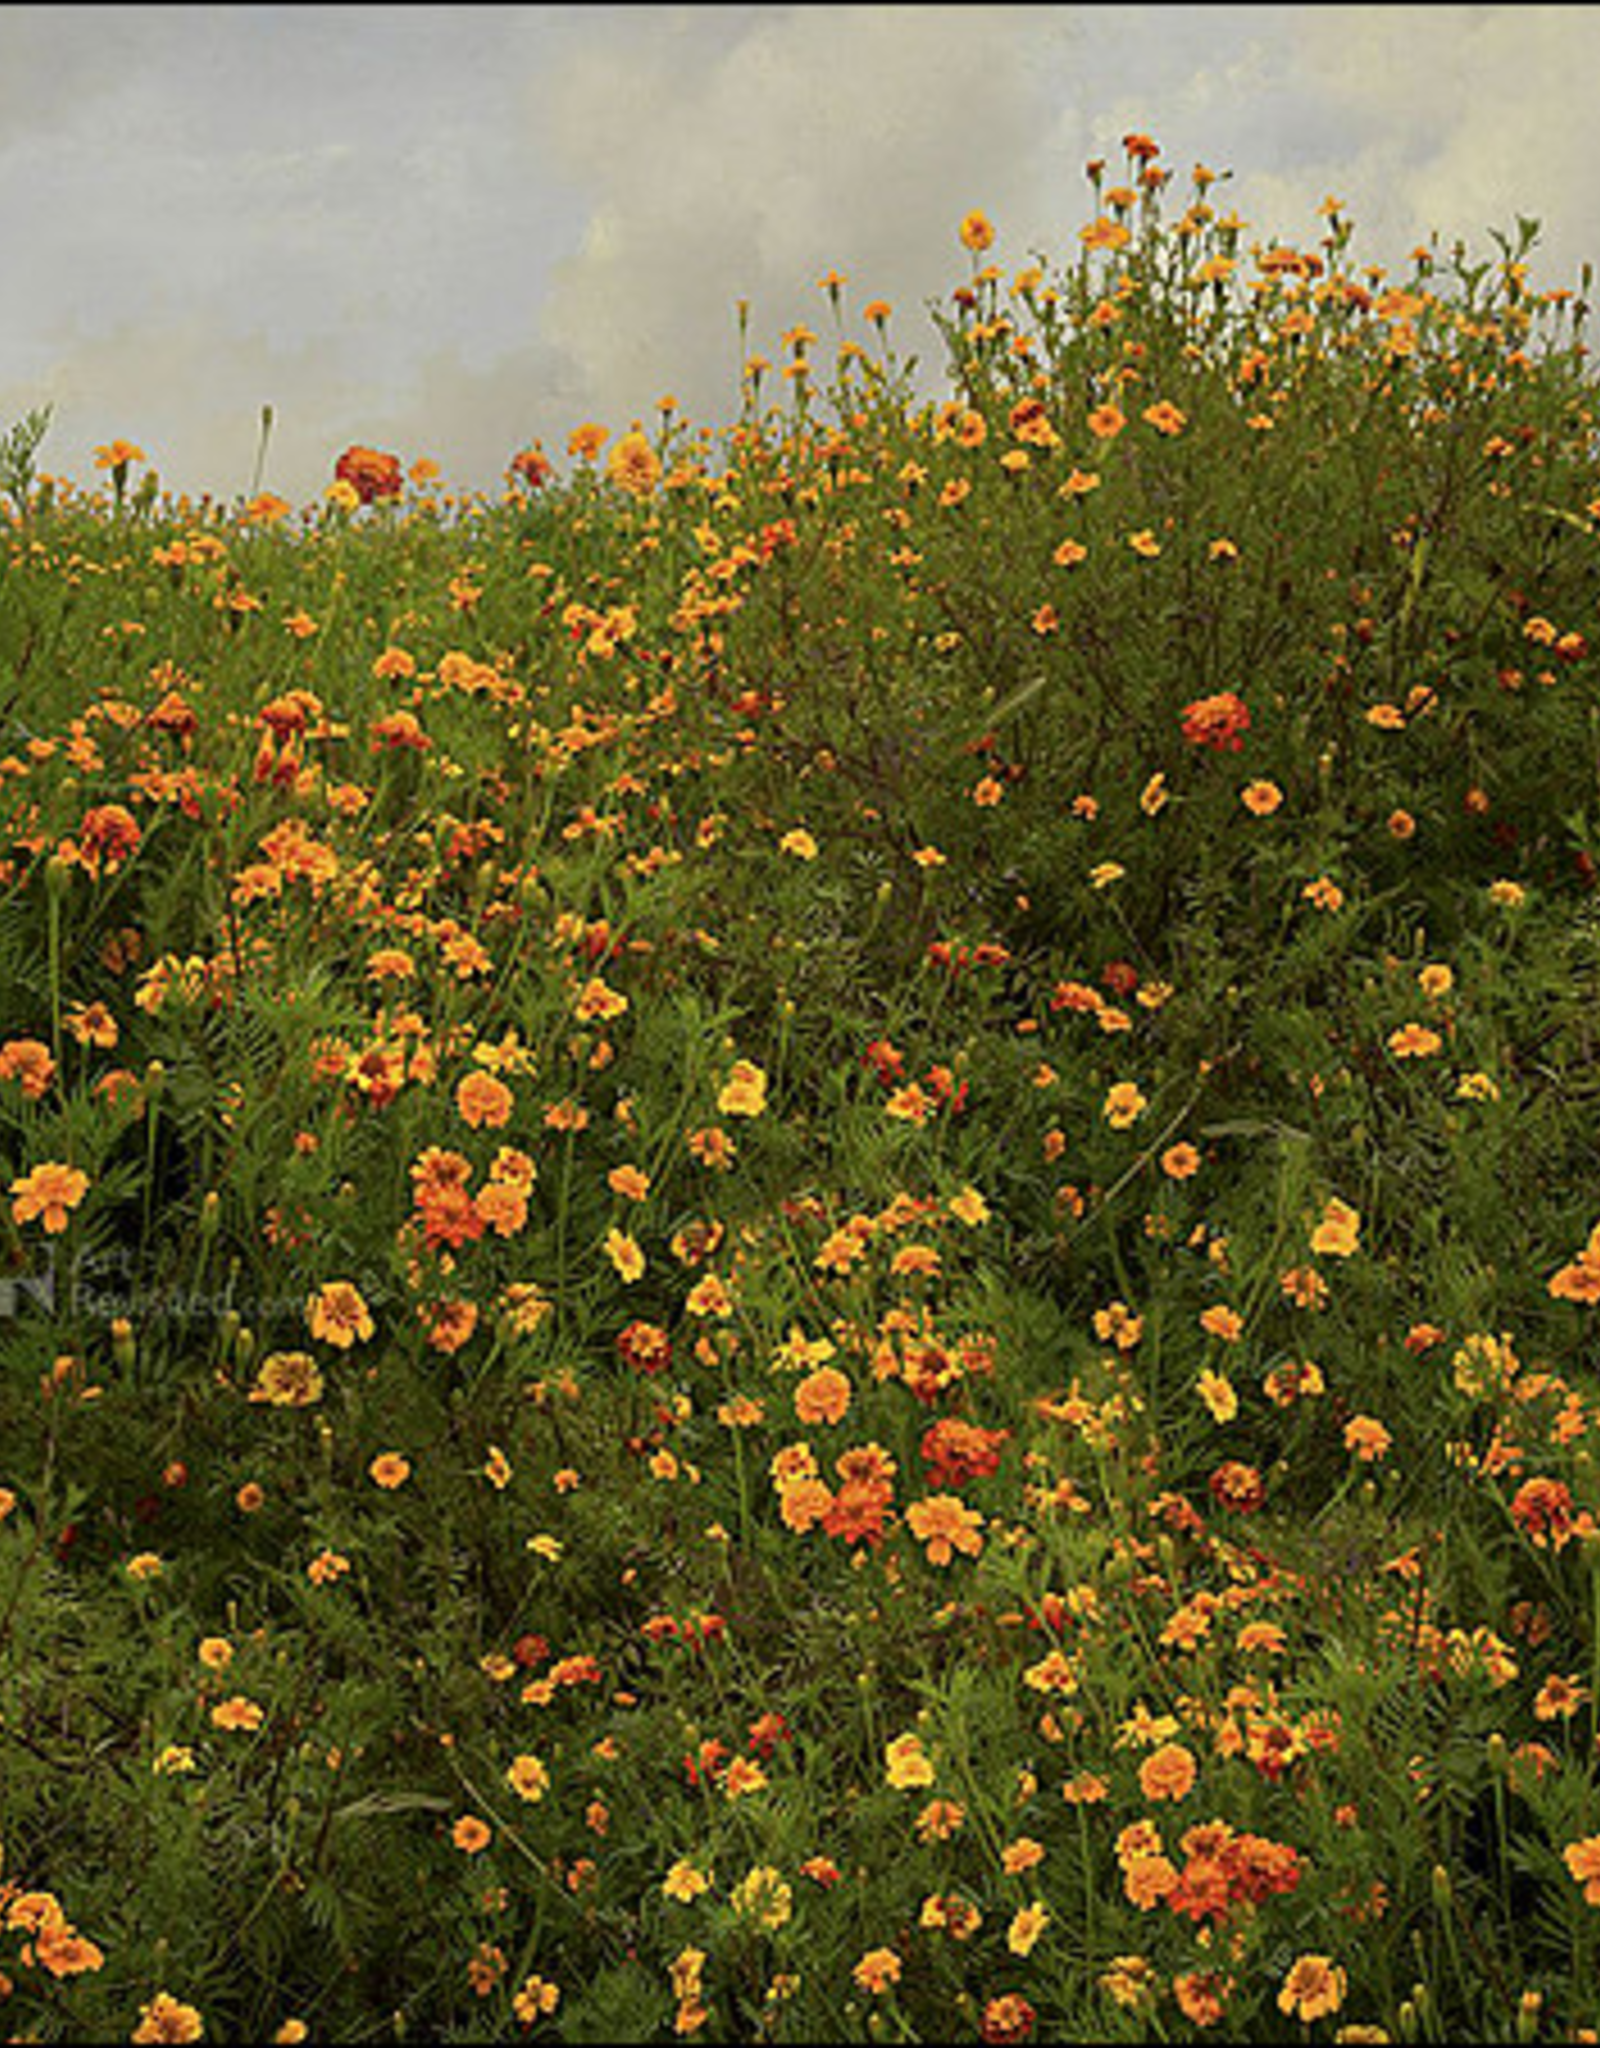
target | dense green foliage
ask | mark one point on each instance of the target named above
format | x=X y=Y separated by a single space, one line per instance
x=802 y=1232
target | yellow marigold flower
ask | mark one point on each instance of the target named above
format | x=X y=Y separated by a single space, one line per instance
x=598 y=1000
x=908 y=1763
x=633 y=465
x=684 y=1881
x=1216 y=1390
x=1124 y=1105
x=744 y=1093
x=537 y=1999
x=976 y=232
x=1026 y=1927
x=528 y=1778
x=800 y=843
x=624 y=1253
x=1314 y=1987
x=288 y=1379
x=762 y=1896
x=1337 y=1235
x=166 y=2018
x=1261 y=797
x=338 y=1315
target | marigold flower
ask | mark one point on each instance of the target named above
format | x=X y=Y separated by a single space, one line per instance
x=369 y=473
x=944 y=1524
x=1167 y=1773
x=1314 y=1987
x=633 y=465
x=168 y=2019
x=1124 y=1105
x=762 y=1896
x=30 y=1062
x=976 y=232
x=49 y=1193
x=1367 y=1438
x=1583 y=1861
x=238 y=1713
x=528 y=1778
x=389 y=1470
x=877 y=1970
x=1216 y=1390
x=1027 y=1924
x=484 y=1102
x=1337 y=1235
x=744 y=1093
x=1218 y=722
x=822 y=1396
x=338 y=1315
x=908 y=1762
x=624 y=1253
x=471 y=1835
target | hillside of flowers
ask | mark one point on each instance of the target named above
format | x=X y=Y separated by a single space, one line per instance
x=801 y=1228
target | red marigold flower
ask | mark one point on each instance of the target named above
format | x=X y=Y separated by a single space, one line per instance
x=1216 y=722
x=1237 y=1486
x=646 y=1347
x=955 y=1451
x=369 y=473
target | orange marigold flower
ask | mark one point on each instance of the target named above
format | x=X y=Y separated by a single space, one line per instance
x=484 y=1102
x=1367 y=1437
x=28 y=1061
x=822 y=1396
x=471 y=1834
x=944 y=1524
x=1583 y=1861
x=977 y=234
x=49 y=1193
x=1167 y=1773
x=877 y=1970
x=390 y=1469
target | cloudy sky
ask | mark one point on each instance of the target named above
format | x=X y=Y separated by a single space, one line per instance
x=448 y=231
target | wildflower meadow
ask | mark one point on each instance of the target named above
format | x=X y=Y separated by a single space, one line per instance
x=801 y=1229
